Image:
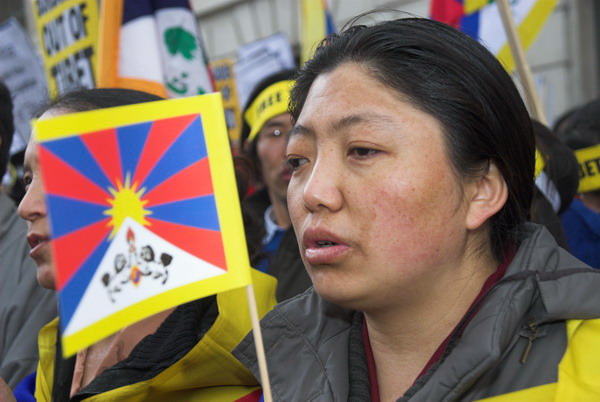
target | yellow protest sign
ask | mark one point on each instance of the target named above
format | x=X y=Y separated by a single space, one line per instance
x=225 y=83
x=68 y=36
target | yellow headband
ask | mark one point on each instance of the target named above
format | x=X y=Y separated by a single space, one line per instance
x=589 y=168
x=269 y=103
x=539 y=163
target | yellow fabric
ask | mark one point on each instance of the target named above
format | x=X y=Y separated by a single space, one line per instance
x=539 y=163
x=313 y=27
x=578 y=371
x=269 y=103
x=45 y=371
x=589 y=168
x=471 y=6
x=208 y=372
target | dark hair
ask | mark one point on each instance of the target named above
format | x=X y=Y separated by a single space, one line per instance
x=562 y=174
x=447 y=74
x=560 y=164
x=250 y=151
x=83 y=100
x=581 y=127
x=7 y=127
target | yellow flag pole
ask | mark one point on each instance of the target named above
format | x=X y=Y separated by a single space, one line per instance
x=258 y=343
x=523 y=69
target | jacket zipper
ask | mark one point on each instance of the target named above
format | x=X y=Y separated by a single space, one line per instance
x=533 y=330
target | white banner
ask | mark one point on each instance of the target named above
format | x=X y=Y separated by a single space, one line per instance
x=22 y=72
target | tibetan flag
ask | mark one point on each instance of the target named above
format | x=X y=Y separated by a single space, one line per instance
x=481 y=20
x=152 y=46
x=317 y=23
x=144 y=212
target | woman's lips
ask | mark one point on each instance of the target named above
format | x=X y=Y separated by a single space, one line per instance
x=38 y=249
x=37 y=244
x=323 y=247
x=325 y=255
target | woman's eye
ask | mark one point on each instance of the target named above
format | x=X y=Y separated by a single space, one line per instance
x=295 y=163
x=362 y=152
x=27 y=179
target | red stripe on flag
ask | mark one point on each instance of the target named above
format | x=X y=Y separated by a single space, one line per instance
x=104 y=147
x=71 y=251
x=449 y=12
x=251 y=397
x=65 y=181
x=162 y=134
x=202 y=243
x=193 y=181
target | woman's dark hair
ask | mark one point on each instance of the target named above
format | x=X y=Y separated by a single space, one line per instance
x=83 y=100
x=450 y=76
x=250 y=150
x=7 y=128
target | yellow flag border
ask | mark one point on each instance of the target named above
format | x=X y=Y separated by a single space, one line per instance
x=210 y=108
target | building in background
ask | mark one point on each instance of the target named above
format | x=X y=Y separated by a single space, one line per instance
x=564 y=58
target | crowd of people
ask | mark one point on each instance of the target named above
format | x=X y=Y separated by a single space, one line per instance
x=404 y=246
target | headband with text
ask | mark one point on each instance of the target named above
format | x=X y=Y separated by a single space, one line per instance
x=589 y=168
x=269 y=103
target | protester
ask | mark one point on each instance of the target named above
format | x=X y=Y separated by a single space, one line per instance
x=24 y=306
x=556 y=184
x=413 y=158
x=264 y=133
x=581 y=132
x=178 y=354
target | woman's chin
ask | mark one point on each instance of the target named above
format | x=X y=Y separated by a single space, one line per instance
x=45 y=277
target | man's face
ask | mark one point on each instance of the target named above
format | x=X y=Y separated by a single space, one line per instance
x=270 y=149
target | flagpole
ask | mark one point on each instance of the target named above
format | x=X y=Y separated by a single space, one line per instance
x=523 y=69
x=258 y=343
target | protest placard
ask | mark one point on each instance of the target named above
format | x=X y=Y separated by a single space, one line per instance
x=68 y=35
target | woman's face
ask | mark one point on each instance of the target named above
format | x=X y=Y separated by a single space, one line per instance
x=33 y=209
x=375 y=205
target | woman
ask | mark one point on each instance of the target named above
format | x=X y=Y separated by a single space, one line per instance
x=147 y=359
x=413 y=159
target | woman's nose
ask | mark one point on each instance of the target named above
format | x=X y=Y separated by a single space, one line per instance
x=33 y=204
x=323 y=188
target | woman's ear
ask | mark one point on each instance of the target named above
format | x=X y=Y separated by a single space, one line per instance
x=486 y=196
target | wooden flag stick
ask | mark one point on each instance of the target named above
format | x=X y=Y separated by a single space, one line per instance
x=258 y=342
x=523 y=69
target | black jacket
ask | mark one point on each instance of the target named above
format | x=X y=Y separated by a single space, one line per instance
x=286 y=265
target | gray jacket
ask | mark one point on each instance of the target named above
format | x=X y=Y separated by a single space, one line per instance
x=25 y=307
x=306 y=338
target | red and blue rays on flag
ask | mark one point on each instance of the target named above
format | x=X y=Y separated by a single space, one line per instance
x=155 y=172
x=461 y=14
